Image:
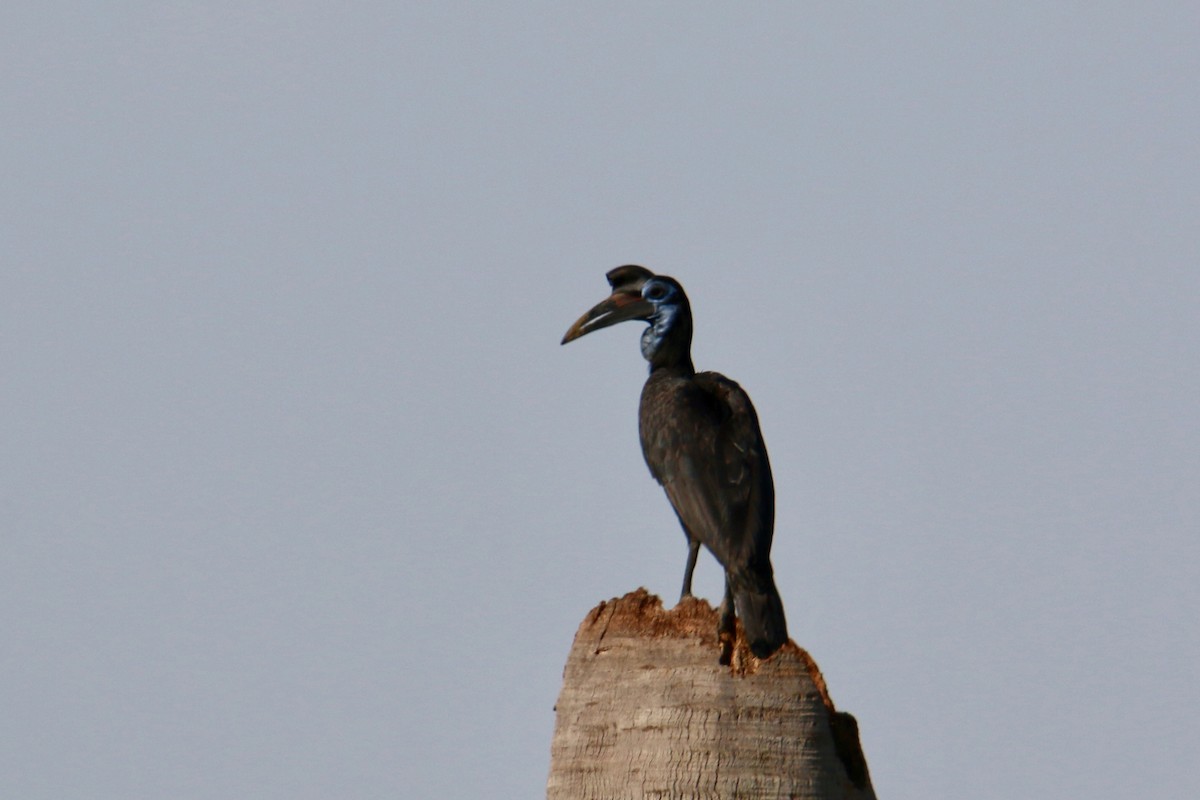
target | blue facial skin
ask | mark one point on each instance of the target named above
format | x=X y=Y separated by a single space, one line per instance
x=663 y=296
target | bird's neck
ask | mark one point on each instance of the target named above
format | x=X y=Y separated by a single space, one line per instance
x=679 y=369
x=667 y=342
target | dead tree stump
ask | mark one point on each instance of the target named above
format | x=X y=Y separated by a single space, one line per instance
x=646 y=711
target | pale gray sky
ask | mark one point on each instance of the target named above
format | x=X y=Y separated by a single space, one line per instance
x=302 y=499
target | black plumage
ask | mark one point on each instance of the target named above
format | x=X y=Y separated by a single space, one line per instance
x=701 y=440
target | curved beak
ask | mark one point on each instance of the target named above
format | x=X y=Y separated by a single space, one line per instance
x=619 y=307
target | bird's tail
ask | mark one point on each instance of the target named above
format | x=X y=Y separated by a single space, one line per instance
x=761 y=610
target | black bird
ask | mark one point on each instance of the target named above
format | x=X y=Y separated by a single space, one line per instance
x=701 y=440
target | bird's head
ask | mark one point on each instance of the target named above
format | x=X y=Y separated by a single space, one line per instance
x=639 y=294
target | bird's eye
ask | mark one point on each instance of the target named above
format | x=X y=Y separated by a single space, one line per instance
x=656 y=291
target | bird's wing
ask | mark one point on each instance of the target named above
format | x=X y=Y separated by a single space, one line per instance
x=720 y=484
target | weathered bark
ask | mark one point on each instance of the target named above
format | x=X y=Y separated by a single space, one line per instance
x=646 y=711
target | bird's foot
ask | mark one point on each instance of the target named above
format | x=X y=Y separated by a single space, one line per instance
x=726 y=640
x=727 y=633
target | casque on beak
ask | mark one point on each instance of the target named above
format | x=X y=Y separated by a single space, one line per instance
x=622 y=305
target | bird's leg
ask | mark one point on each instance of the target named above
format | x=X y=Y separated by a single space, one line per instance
x=727 y=626
x=693 y=552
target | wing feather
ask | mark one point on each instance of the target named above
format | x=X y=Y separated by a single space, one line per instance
x=702 y=442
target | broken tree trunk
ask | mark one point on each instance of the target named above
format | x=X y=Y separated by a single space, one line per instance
x=646 y=711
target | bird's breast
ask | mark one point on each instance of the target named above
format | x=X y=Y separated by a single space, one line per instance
x=677 y=422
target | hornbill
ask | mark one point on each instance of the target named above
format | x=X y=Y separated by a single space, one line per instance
x=701 y=440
